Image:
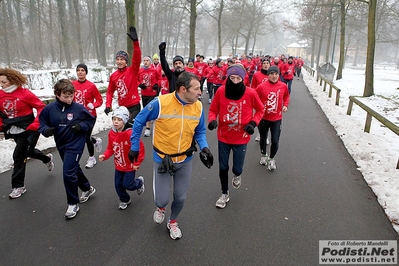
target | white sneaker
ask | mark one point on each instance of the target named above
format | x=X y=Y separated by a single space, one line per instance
x=174 y=230
x=257 y=137
x=86 y=194
x=17 y=192
x=50 y=164
x=72 y=211
x=91 y=162
x=123 y=205
x=264 y=160
x=98 y=145
x=147 y=132
x=159 y=215
x=221 y=202
x=236 y=182
x=210 y=101
x=272 y=164
x=142 y=188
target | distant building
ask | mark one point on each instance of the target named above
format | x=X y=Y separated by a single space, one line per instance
x=297 y=49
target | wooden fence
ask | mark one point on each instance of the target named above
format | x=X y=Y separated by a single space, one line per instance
x=355 y=99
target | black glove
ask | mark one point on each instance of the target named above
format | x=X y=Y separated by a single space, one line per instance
x=162 y=46
x=212 y=125
x=206 y=157
x=250 y=127
x=133 y=156
x=155 y=87
x=76 y=127
x=132 y=34
x=224 y=77
x=142 y=86
x=49 y=132
x=107 y=110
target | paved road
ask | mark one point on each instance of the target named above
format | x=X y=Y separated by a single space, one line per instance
x=275 y=218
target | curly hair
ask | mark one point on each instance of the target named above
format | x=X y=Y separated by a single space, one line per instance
x=14 y=77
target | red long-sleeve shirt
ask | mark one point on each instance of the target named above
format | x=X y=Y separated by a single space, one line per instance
x=86 y=92
x=234 y=115
x=119 y=145
x=288 y=70
x=218 y=73
x=273 y=96
x=19 y=103
x=149 y=77
x=125 y=82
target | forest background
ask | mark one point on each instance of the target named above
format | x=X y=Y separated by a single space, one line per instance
x=50 y=34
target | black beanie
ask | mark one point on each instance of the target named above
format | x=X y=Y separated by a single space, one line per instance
x=178 y=58
x=82 y=66
x=273 y=69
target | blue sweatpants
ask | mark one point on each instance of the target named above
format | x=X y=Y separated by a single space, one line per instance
x=73 y=175
x=126 y=181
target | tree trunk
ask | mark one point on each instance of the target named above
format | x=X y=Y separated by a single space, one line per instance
x=101 y=31
x=64 y=31
x=193 y=21
x=313 y=50
x=5 y=34
x=91 y=5
x=369 y=82
x=50 y=30
x=320 y=45
x=78 y=32
x=130 y=21
x=220 y=28
x=330 y=27
x=22 y=48
x=342 y=41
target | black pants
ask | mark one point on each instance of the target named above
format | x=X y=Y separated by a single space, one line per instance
x=90 y=141
x=24 y=149
x=133 y=110
x=275 y=131
x=215 y=87
x=202 y=81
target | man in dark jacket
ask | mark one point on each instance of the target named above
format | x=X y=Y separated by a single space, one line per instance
x=178 y=67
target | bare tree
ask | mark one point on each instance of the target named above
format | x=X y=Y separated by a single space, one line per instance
x=77 y=30
x=101 y=31
x=130 y=21
x=369 y=82
x=64 y=31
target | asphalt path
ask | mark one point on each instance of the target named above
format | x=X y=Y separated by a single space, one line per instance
x=275 y=218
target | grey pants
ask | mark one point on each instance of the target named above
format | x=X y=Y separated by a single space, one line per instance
x=181 y=183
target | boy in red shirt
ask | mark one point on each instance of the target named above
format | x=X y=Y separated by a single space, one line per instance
x=119 y=146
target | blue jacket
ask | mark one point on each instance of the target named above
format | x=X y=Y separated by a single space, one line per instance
x=61 y=117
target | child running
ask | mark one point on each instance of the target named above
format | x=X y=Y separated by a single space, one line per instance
x=69 y=122
x=119 y=145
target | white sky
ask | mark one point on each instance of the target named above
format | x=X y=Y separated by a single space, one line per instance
x=376 y=153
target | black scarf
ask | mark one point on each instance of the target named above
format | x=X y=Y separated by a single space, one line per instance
x=234 y=91
x=263 y=71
